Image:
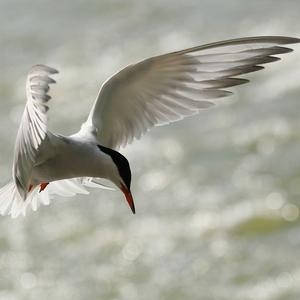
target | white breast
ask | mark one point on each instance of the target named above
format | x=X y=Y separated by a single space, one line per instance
x=73 y=158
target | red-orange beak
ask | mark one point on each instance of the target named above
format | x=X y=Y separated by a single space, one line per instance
x=128 y=197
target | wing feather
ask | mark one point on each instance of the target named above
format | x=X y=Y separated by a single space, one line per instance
x=33 y=128
x=169 y=87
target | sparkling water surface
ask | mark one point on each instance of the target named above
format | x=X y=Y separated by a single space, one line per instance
x=217 y=195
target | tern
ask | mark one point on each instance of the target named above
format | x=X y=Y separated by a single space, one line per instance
x=155 y=91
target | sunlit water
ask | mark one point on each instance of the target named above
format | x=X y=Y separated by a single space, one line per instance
x=217 y=195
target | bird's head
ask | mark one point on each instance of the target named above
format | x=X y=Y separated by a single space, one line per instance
x=123 y=178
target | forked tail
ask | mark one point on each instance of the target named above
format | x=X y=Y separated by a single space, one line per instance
x=11 y=203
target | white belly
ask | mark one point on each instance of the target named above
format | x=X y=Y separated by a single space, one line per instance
x=72 y=159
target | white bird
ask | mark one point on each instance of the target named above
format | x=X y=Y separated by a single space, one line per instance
x=156 y=91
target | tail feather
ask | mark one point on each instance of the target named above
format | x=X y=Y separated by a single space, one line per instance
x=6 y=198
x=11 y=203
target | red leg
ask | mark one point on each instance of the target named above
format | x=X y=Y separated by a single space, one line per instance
x=43 y=185
x=30 y=188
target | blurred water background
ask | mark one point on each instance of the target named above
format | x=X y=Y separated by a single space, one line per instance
x=217 y=195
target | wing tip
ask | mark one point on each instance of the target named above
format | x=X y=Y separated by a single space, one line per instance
x=289 y=40
x=43 y=68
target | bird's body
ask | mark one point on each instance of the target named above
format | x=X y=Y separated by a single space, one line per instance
x=70 y=157
x=153 y=92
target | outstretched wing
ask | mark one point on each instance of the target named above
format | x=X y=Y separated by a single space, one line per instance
x=33 y=128
x=167 y=88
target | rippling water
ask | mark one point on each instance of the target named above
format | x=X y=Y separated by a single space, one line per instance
x=217 y=195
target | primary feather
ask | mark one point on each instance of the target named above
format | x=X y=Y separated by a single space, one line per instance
x=33 y=128
x=167 y=88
